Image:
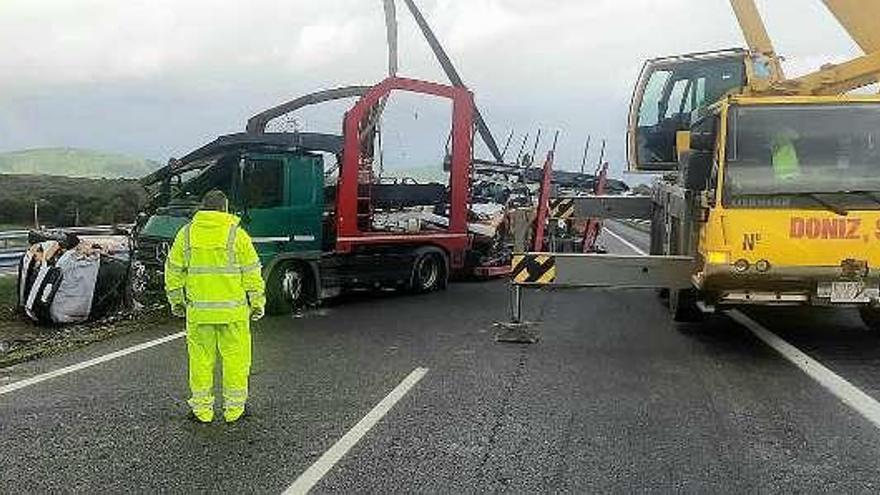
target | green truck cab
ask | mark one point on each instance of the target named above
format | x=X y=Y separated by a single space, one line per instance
x=275 y=183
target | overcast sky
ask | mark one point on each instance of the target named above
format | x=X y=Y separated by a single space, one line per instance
x=158 y=78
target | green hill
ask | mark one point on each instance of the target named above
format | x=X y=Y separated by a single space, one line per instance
x=72 y=162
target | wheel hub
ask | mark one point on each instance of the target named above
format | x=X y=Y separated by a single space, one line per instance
x=292 y=284
x=427 y=273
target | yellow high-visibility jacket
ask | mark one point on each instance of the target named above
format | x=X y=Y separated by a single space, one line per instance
x=786 y=164
x=214 y=270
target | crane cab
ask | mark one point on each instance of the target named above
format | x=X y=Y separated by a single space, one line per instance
x=669 y=92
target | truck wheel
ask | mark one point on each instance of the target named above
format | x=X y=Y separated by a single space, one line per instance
x=288 y=288
x=429 y=273
x=871 y=317
x=683 y=306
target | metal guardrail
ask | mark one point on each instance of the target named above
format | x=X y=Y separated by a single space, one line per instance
x=13 y=244
x=10 y=259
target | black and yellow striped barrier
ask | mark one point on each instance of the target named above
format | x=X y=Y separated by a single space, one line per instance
x=533 y=268
x=561 y=209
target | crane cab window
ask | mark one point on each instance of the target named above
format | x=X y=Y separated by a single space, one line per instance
x=649 y=111
x=679 y=99
x=699 y=93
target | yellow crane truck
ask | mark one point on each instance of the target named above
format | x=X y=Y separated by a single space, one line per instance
x=770 y=188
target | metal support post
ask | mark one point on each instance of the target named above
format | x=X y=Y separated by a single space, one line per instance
x=515 y=303
x=516 y=331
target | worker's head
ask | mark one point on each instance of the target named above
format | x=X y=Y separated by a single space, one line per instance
x=215 y=200
x=787 y=133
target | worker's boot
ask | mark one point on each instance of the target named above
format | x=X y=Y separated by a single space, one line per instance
x=202 y=415
x=233 y=413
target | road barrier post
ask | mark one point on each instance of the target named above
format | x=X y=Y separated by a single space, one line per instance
x=529 y=268
x=516 y=331
x=515 y=303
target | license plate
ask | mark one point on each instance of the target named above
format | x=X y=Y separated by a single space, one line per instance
x=849 y=292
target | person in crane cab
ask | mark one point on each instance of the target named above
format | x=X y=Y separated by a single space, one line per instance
x=213 y=279
x=786 y=164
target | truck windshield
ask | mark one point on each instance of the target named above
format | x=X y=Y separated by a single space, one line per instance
x=216 y=173
x=803 y=156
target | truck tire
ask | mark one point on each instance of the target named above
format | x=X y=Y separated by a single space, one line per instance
x=871 y=317
x=288 y=288
x=429 y=272
x=683 y=306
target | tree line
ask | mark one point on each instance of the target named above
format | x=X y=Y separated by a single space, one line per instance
x=69 y=201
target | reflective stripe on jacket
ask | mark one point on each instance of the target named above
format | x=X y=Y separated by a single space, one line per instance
x=213 y=268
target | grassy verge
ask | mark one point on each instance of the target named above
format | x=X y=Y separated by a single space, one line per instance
x=7 y=296
x=21 y=340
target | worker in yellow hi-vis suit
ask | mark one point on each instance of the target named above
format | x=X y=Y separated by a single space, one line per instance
x=786 y=164
x=212 y=276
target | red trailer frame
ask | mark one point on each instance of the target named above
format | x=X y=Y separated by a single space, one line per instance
x=593 y=227
x=543 y=202
x=455 y=240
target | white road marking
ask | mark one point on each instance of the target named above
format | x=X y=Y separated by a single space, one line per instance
x=325 y=463
x=848 y=393
x=625 y=242
x=5 y=389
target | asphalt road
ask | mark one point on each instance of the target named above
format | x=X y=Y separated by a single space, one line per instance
x=614 y=398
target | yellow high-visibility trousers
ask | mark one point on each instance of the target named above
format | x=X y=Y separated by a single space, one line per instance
x=233 y=340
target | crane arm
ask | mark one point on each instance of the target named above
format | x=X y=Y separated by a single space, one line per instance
x=391 y=33
x=453 y=76
x=860 y=19
x=756 y=36
x=837 y=79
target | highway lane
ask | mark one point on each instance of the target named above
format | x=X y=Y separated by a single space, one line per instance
x=617 y=398
x=835 y=337
x=613 y=398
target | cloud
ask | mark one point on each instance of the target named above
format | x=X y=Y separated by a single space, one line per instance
x=156 y=78
x=322 y=44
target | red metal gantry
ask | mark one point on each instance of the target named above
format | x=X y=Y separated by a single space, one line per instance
x=455 y=240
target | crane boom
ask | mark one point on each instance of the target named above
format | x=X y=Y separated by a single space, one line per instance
x=860 y=19
x=391 y=34
x=453 y=76
x=756 y=36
